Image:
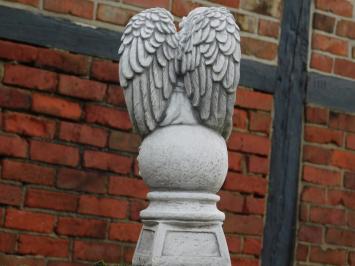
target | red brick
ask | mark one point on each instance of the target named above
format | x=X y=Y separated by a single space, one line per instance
x=344 y=159
x=349 y=180
x=246 y=22
x=29 y=221
x=14 y=99
x=301 y=252
x=352 y=258
x=128 y=253
x=254 y=100
x=321 y=62
x=27 y=172
x=346 y=28
x=304 y=212
x=342 y=121
x=244 y=261
x=317 y=115
x=27 y=2
x=107 y=116
x=12 y=145
x=78 y=180
x=81 y=88
x=148 y=4
x=235 y=161
x=79 y=8
x=72 y=226
x=351 y=220
x=54 y=153
x=64 y=61
x=350 y=141
x=104 y=70
x=29 y=125
x=248 y=143
x=230 y=201
x=341 y=198
x=240 y=119
x=321 y=176
x=339 y=7
x=135 y=206
x=317 y=155
x=327 y=216
x=17 y=52
x=258 y=165
x=83 y=134
x=259 y=48
x=269 y=28
x=125 y=231
x=254 y=205
x=330 y=44
x=10 y=260
x=234 y=243
x=124 y=141
x=247 y=184
x=181 y=8
x=328 y=256
x=244 y=224
x=260 y=121
x=10 y=195
x=312 y=234
x=114 y=15
x=344 y=68
x=54 y=200
x=125 y=186
x=42 y=245
x=115 y=95
x=313 y=194
x=103 y=206
x=93 y=251
x=107 y=161
x=252 y=246
x=340 y=237
x=56 y=106
x=7 y=243
x=230 y=3
x=323 y=22
x=61 y=263
x=30 y=77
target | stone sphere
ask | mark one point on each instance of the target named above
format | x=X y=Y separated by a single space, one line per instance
x=184 y=157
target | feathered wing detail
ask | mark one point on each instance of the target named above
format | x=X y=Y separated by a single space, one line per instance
x=210 y=62
x=147 y=67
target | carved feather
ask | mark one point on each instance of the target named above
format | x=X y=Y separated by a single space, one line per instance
x=147 y=67
x=211 y=79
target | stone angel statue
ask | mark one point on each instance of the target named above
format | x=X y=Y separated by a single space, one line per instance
x=186 y=77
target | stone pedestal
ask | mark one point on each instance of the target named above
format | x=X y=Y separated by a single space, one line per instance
x=184 y=166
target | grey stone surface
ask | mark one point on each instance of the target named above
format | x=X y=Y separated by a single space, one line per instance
x=180 y=92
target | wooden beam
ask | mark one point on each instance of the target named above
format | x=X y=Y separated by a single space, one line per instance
x=331 y=92
x=289 y=96
x=27 y=27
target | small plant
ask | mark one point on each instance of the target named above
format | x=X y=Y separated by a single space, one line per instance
x=100 y=263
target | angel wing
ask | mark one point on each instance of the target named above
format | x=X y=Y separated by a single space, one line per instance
x=147 y=67
x=210 y=64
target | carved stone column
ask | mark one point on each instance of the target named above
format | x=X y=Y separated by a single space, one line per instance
x=184 y=166
x=180 y=92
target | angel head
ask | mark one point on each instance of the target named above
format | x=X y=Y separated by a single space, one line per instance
x=204 y=57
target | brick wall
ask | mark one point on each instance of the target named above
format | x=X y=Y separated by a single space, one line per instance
x=333 y=37
x=325 y=233
x=69 y=187
x=259 y=19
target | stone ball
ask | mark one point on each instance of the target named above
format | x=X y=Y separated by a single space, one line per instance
x=184 y=157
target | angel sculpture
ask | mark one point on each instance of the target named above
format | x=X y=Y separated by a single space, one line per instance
x=186 y=77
